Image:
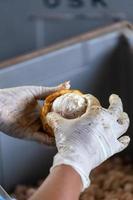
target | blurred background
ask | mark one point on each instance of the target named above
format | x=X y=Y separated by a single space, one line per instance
x=32 y=24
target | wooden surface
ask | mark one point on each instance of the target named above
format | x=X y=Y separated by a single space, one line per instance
x=80 y=38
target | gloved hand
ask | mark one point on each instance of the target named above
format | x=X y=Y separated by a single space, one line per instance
x=85 y=142
x=20 y=112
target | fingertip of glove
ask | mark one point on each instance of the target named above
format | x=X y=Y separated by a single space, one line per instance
x=65 y=85
x=124 y=139
x=114 y=98
x=53 y=119
x=50 y=117
x=124 y=142
x=124 y=119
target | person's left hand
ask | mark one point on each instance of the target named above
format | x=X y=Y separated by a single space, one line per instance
x=19 y=111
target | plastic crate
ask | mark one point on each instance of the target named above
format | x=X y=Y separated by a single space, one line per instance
x=98 y=62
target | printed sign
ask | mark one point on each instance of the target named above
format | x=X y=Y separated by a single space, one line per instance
x=74 y=3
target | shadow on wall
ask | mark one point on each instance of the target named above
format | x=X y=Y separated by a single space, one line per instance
x=117 y=67
x=117 y=77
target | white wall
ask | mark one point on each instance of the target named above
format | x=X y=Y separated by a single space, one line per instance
x=19 y=34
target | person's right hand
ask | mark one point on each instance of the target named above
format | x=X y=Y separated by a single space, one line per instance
x=86 y=142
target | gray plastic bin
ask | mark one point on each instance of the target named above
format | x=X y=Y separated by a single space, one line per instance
x=99 y=62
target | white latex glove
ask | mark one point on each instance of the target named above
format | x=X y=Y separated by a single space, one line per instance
x=20 y=112
x=85 y=142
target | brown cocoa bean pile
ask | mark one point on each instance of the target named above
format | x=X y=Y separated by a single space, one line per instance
x=113 y=180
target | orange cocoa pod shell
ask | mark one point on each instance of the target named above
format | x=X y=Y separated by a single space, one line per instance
x=48 y=105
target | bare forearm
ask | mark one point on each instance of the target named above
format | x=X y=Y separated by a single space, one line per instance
x=63 y=183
